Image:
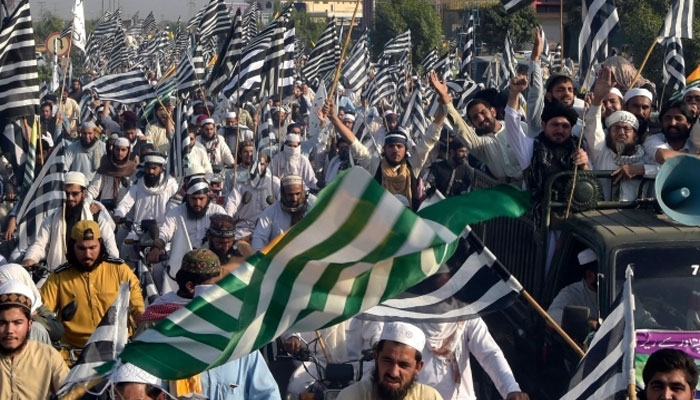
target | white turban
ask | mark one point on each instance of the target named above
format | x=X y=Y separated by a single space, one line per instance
x=622 y=116
x=638 y=92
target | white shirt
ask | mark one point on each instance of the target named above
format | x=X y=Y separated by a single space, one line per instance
x=658 y=142
x=84 y=160
x=577 y=294
x=220 y=153
x=198 y=156
x=148 y=203
x=273 y=222
x=470 y=337
x=102 y=187
x=301 y=167
x=246 y=215
x=196 y=228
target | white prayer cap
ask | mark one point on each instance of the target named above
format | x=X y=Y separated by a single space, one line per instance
x=388 y=113
x=616 y=92
x=404 y=333
x=154 y=158
x=198 y=185
x=129 y=373
x=297 y=83
x=349 y=117
x=88 y=125
x=622 y=116
x=121 y=142
x=292 y=180
x=586 y=257
x=208 y=121
x=17 y=287
x=691 y=89
x=195 y=169
x=292 y=137
x=341 y=88
x=637 y=92
x=231 y=114
x=76 y=178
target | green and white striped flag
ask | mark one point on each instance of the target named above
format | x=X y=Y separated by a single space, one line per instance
x=356 y=248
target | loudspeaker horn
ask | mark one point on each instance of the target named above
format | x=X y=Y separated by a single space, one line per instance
x=677 y=189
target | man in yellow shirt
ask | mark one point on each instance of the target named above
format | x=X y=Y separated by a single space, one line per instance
x=88 y=284
x=398 y=360
x=28 y=369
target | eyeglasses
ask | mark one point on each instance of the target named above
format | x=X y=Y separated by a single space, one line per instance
x=73 y=194
x=622 y=128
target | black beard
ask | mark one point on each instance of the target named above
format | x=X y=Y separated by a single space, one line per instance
x=192 y=214
x=72 y=211
x=387 y=393
x=643 y=125
x=87 y=145
x=459 y=160
x=151 y=180
x=6 y=352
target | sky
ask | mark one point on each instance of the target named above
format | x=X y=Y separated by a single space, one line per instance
x=162 y=9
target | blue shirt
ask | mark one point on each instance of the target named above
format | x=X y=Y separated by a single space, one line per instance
x=246 y=378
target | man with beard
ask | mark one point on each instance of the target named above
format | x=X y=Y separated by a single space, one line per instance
x=280 y=122
x=489 y=144
x=241 y=171
x=341 y=161
x=552 y=151
x=398 y=360
x=638 y=101
x=583 y=293
x=195 y=211
x=451 y=176
x=559 y=88
x=149 y=196
x=611 y=103
x=113 y=176
x=249 y=198
x=244 y=378
x=232 y=128
x=88 y=283
x=49 y=124
x=76 y=89
x=197 y=154
x=290 y=161
x=221 y=237
x=50 y=241
x=85 y=154
x=691 y=98
x=28 y=369
x=620 y=149
x=215 y=145
x=676 y=120
x=283 y=214
x=161 y=129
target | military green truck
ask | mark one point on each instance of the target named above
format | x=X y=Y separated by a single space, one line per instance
x=664 y=254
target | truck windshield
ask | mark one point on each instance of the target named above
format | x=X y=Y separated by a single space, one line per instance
x=666 y=285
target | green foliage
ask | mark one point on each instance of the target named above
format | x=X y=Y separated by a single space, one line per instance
x=395 y=17
x=640 y=23
x=49 y=24
x=307 y=29
x=495 y=23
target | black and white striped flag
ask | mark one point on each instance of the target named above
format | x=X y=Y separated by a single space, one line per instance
x=444 y=66
x=414 y=119
x=512 y=6
x=189 y=72
x=148 y=25
x=508 y=61
x=471 y=284
x=607 y=368
x=193 y=23
x=126 y=88
x=223 y=19
x=105 y=343
x=14 y=145
x=384 y=86
x=19 y=77
x=43 y=196
x=324 y=57
x=148 y=286
x=228 y=58
x=468 y=49
x=247 y=80
x=546 y=53
x=599 y=19
x=278 y=70
x=429 y=61
x=250 y=21
x=674 y=65
x=398 y=44
x=679 y=20
x=557 y=62
x=356 y=68
x=179 y=146
x=118 y=58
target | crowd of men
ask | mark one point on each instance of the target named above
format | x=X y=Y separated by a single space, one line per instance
x=240 y=191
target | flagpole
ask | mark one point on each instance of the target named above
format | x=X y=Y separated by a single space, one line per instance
x=575 y=177
x=342 y=53
x=644 y=63
x=632 y=391
x=557 y=328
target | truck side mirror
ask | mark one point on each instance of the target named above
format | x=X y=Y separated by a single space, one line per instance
x=574 y=321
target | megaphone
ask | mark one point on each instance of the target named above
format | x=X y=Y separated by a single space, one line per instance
x=678 y=189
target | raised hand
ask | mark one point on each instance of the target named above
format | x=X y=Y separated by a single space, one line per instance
x=603 y=85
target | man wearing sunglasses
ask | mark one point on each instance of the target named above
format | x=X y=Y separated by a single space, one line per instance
x=50 y=243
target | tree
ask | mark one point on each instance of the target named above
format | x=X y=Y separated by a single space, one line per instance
x=397 y=16
x=307 y=29
x=49 y=24
x=495 y=22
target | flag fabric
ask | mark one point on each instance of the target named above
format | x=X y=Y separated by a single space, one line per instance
x=429 y=61
x=19 y=77
x=223 y=19
x=557 y=62
x=180 y=246
x=398 y=45
x=356 y=68
x=186 y=75
x=228 y=58
x=679 y=21
x=14 y=145
x=278 y=69
x=324 y=57
x=247 y=80
x=148 y=286
x=512 y=6
x=546 y=53
x=105 y=343
x=599 y=19
x=66 y=31
x=179 y=146
x=468 y=49
x=444 y=66
x=126 y=88
x=250 y=21
x=357 y=247
x=414 y=119
x=148 y=25
x=79 y=36
x=459 y=290
x=118 y=58
x=383 y=86
x=607 y=368
x=30 y=163
x=508 y=61
x=674 y=65
x=43 y=196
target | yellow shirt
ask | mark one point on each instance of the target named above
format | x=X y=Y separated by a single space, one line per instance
x=34 y=373
x=364 y=390
x=94 y=292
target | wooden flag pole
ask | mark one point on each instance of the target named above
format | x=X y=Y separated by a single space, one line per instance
x=322 y=342
x=552 y=322
x=342 y=53
x=644 y=63
x=632 y=391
